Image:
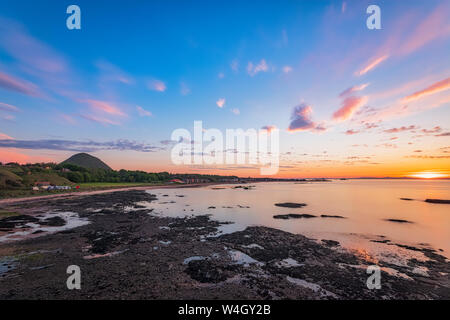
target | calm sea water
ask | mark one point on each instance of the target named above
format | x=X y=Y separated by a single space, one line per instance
x=365 y=204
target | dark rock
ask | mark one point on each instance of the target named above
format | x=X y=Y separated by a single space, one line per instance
x=437 y=201
x=331 y=243
x=399 y=220
x=290 y=205
x=53 y=222
x=329 y=216
x=293 y=216
x=207 y=271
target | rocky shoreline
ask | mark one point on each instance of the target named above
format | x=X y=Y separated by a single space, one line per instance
x=127 y=252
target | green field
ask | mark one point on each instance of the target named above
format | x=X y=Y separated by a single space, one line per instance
x=91 y=186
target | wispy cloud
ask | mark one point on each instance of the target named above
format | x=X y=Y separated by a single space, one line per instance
x=157 y=85
x=287 y=69
x=111 y=73
x=221 y=102
x=436 y=129
x=349 y=106
x=350 y=90
x=105 y=107
x=99 y=119
x=253 y=70
x=8 y=107
x=78 y=146
x=434 y=88
x=401 y=129
x=351 y=132
x=343 y=7
x=372 y=64
x=236 y=111
x=30 y=52
x=4 y=136
x=11 y=83
x=184 y=89
x=435 y=25
x=234 y=65
x=142 y=112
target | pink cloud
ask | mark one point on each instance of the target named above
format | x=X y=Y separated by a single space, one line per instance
x=371 y=65
x=351 y=132
x=255 y=69
x=287 y=69
x=221 y=102
x=104 y=107
x=142 y=112
x=5 y=137
x=401 y=129
x=29 y=51
x=157 y=85
x=11 y=83
x=236 y=111
x=68 y=119
x=353 y=89
x=434 y=88
x=111 y=73
x=102 y=120
x=8 y=107
x=436 y=129
x=349 y=106
x=434 y=26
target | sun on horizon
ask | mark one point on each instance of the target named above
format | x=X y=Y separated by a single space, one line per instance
x=429 y=175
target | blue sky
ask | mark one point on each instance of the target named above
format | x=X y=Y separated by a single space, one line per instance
x=176 y=59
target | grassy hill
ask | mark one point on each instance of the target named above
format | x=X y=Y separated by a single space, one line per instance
x=51 y=177
x=86 y=161
x=9 y=179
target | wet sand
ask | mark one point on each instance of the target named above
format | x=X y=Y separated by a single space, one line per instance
x=128 y=252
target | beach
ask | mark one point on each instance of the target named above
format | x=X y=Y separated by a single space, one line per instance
x=127 y=248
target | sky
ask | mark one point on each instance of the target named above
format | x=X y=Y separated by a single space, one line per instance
x=348 y=101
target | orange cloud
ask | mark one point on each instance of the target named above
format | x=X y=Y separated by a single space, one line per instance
x=434 y=88
x=349 y=106
x=371 y=65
